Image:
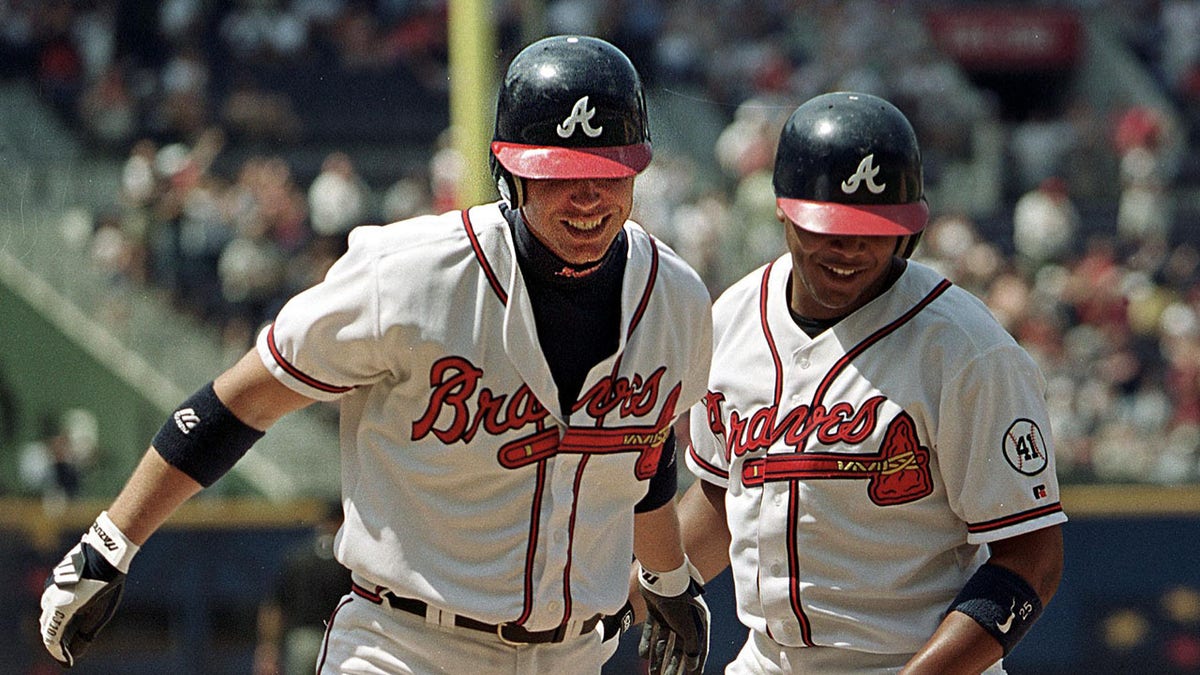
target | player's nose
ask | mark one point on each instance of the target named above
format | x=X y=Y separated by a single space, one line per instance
x=847 y=243
x=586 y=191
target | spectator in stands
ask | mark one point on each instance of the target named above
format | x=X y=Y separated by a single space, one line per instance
x=1045 y=223
x=252 y=271
x=338 y=197
x=445 y=172
x=1039 y=146
x=52 y=466
x=255 y=114
x=108 y=110
x=408 y=196
x=291 y=620
x=184 y=107
x=1142 y=140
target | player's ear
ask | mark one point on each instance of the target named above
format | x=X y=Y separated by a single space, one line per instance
x=781 y=216
x=907 y=245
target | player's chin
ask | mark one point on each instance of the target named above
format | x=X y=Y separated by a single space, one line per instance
x=838 y=298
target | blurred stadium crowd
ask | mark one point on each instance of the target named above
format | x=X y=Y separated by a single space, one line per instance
x=1080 y=237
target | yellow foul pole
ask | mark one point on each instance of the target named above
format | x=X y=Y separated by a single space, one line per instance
x=473 y=73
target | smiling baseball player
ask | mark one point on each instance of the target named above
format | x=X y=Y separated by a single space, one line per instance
x=874 y=449
x=508 y=376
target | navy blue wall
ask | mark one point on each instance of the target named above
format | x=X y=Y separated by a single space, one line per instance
x=190 y=604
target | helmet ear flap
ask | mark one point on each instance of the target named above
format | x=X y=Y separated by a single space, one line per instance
x=907 y=245
x=509 y=186
x=511 y=189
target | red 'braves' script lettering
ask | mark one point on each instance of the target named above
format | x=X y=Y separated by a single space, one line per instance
x=712 y=406
x=454 y=380
x=455 y=388
x=897 y=473
x=840 y=423
x=647 y=440
x=629 y=397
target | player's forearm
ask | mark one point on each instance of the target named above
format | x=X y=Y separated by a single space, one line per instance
x=656 y=539
x=154 y=491
x=1036 y=556
x=958 y=647
x=705 y=531
x=961 y=644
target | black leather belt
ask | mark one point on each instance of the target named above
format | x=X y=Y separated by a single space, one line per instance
x=509 y=633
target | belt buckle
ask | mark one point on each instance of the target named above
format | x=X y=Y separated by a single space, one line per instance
x=500 y=634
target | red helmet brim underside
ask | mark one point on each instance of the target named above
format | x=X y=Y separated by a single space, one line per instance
x=549 y=162
x=896 y=220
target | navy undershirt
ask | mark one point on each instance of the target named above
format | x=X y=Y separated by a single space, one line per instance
x=577 y=310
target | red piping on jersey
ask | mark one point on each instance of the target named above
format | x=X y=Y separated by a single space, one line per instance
x=793 y=503
x=794 y=564
x=328 y=630
x=706 y=465
x=483 y=261
x=818 y=395
x=651 y=279
x=766 y=328
x=871 y=340
x=567 y=602
x=1014 y=519
x=535 y=510
x=296 y=372
x=373 y=596
x=638 y=313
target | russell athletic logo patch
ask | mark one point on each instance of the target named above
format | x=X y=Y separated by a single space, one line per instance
x=1025 y=447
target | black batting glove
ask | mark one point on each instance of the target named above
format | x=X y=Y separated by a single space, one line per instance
x=675 y=634
x=83 y=591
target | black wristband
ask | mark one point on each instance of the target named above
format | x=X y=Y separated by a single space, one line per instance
x=1000 y=601
x=203 y=438
x=615 y=624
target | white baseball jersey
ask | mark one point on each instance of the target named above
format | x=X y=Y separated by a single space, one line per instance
x=463 y=485
x=866 y=468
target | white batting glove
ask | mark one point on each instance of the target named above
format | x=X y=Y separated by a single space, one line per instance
x=83 y=591
x=676 y=632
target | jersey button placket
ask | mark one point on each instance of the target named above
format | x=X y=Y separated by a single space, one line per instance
x=802 y=357
x=555 y=543
x=772 y=540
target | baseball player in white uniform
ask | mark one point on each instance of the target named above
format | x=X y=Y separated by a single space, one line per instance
x=508 y=376
x=874 y=448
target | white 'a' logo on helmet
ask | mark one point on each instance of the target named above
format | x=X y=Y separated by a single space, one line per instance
x=865 y=173
x=581 y=116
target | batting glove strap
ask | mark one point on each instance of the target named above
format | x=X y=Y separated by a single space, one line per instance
x=111 y=543
x=615 y=624
x=675 y=635
x=666 y=584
